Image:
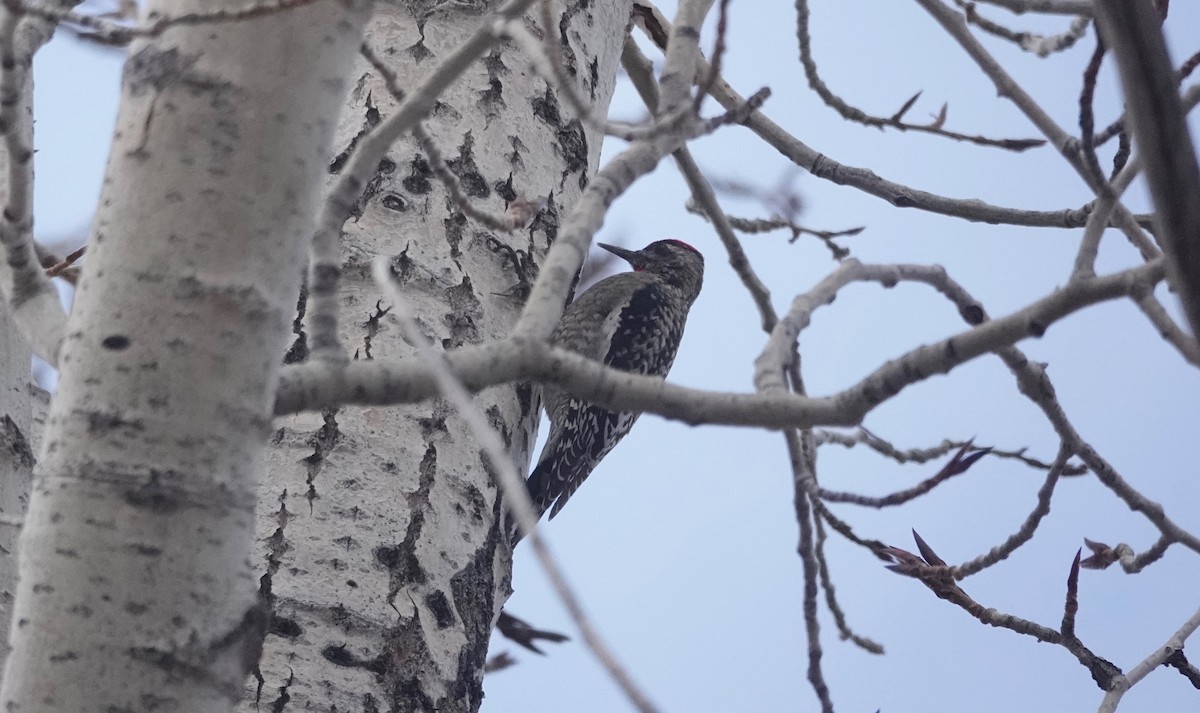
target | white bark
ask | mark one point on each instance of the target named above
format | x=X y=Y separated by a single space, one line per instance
x=379 y=547
x=16 y=456
x=16 y=404
x=135 y=590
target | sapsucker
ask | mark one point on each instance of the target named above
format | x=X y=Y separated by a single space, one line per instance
x=631 y=321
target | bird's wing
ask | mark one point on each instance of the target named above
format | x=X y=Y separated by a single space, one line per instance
x=581 y=433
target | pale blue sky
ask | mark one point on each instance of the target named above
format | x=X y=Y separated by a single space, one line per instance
x=683 y=542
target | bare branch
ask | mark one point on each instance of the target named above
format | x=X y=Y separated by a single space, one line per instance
x=1034 y=384
x=956 y=27
x=313 y=386
x=1087 y=119
x=1040 y=45
x=855 y=114
x=1183 y=342
x=545 y=302
x=959 y=464
x=924 y=455
x=1102 y=555
x=32 y=299
x=1160 y=656
x=1049 y=7
x=831 y=601
x=931 y=570
x=920 y=363
x=636 y=65
x=802 y=470
x=825 y=167
x=1028 y=527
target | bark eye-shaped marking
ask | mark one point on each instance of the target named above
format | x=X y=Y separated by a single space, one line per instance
x=115 y=342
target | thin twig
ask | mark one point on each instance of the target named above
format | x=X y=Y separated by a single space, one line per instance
x=958 y=465
x=32 y=299
x=1087 y=118
x=855 y=114
x=637 y=66
x=1028 y=527
x=1048 y=7
x=1007 y=87
x=651 y=21
x=1040 y=45
x=924 y=455
x=801 y=469
x=931 y=570
x=1160 y=656
x=718 y=54
x=831 y=601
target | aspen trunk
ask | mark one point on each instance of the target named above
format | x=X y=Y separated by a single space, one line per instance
x=379 y=551
x=135 y=589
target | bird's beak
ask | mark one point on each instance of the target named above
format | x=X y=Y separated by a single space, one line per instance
x=633 y=257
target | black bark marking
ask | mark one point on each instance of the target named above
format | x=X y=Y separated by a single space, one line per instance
x=547 y=221
x=372 y=327
x=338 y=655
x=371 y=119
x=568 y=53
x=445 y=112
x=285 y=627
x=440 y=606
x=419 y=172
x=323 y=442
x=401 y=266
x=299 y=350
x=491 y=100
x=156 y=496
x=104 y=421
x=434 y=425
x=545 y=108
x=13 y=441
x=473 y=589
x=514 y=158
x=497 y=421
x=418 y=51
x=455 y=225
x=404 y=569
x=505 y=189
x=284 y=697
x=394 y=201
x=465 y=310
x=116 y=342
x=473 y=184
x=385 y=168
x=572 y=142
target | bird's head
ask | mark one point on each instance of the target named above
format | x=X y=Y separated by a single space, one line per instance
x=676 y=262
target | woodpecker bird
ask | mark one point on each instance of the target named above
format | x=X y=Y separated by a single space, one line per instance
x=631 y=321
